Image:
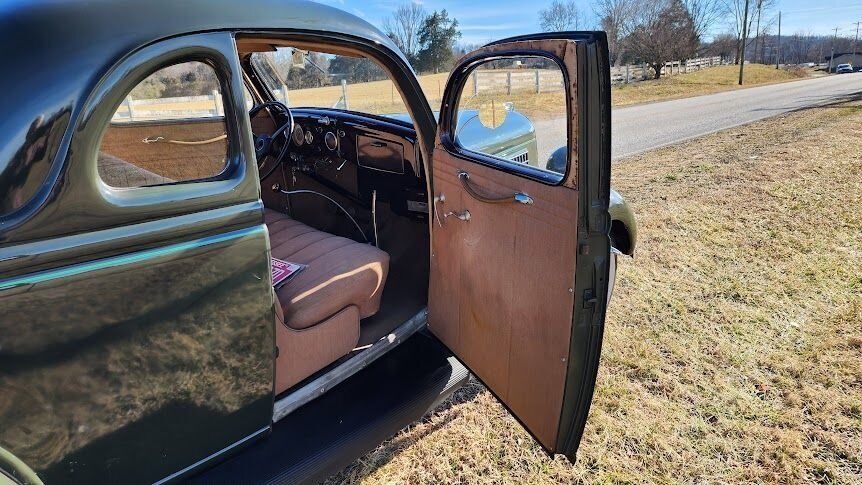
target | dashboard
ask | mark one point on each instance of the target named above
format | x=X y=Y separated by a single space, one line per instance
x=360 y=156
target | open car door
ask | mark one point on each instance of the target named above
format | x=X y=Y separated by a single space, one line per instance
x=520 y=245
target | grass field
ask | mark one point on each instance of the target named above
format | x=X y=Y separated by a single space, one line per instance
x=732 y=347
x=705 y=81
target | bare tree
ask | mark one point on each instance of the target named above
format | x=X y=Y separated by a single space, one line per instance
x=403 y=28
x=761 y=10
x=560 y=16
x=722 y=45
x=744 y=28
x=664 y=31
x=704 y=14
x=616 y=17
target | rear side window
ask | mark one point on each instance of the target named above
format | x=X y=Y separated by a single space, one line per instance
x=169 y=128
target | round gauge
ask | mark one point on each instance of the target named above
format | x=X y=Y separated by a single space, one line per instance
x=297 y=136
x=309 y=137
x=331 y=141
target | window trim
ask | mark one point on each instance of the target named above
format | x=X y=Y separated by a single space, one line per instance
x=223 y=174
x=448 y=118
x=389 y=77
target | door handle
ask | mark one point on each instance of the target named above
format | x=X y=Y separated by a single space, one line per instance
x=461 y=216
x=518 y=197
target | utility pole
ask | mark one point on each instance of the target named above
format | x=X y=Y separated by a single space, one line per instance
x=778 y=47
x=855 y=39
x=744 y=37
x=832 y=55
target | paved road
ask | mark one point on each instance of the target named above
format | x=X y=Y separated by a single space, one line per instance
x=647 y=126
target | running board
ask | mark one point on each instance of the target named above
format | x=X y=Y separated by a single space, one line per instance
x=349 y=420
x=339 y=374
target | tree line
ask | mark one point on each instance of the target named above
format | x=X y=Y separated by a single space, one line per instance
x=638 y=30
x=649 y=32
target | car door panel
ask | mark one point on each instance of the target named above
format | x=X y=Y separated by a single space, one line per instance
x=489 y=315
x=516 y=288
x=137 y=338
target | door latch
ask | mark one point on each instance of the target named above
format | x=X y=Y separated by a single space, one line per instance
x=461 y=216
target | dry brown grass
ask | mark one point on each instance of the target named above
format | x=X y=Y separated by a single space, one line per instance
x=705 y=81
x=732 y=348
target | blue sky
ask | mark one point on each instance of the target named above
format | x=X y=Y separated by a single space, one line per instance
x=484 y=20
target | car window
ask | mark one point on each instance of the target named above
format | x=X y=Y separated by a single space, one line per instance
x=308 y=79
x=515 y=109
x=169 y=128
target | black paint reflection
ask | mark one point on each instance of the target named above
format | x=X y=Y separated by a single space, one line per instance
x=170 y=356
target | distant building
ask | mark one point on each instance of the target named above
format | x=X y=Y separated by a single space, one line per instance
x=845 y=58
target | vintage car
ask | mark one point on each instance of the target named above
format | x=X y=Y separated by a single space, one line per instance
x=158 y=183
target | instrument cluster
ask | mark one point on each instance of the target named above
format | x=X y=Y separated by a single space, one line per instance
x=320 y=134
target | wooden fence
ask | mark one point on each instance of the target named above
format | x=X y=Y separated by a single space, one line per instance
x=544 y=80
x=498 y=81
x=204 y=106
x=639 y=72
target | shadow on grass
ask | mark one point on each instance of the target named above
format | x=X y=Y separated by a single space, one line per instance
x=365 y=466
x=835 y=102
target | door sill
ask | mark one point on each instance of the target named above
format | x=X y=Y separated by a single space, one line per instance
x=339 y=374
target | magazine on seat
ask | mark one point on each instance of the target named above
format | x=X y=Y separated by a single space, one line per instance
x=284 y=271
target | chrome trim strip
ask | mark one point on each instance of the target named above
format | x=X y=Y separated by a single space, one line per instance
x=175 y=475
x=361 y=360
x=35 y=278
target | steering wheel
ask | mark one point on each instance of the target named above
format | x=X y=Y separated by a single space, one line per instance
x=263 y=143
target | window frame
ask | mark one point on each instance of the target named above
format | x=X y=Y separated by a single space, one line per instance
x=234 y=183
x=449 y=117
x=221 y=174
x=261 y=79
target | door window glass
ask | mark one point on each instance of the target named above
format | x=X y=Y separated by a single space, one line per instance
x=515 y=109
x=169 y=128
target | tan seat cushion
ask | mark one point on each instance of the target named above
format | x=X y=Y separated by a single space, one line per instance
x=340 y=273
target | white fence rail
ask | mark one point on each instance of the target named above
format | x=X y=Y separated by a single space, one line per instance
x=205 y=106
x=499 y=81
x=639 y=72
x=544 y=80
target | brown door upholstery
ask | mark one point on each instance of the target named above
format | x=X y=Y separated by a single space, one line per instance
x=501 y=287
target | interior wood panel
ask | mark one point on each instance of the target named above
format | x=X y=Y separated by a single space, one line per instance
x=501 y=287
x=172 y=161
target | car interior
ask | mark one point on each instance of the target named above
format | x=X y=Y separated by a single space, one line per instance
x=344 y=191
x=345 y=195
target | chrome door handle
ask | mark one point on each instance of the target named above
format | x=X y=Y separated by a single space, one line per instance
x=523 y=198
x=461 y=216
x=518 y=197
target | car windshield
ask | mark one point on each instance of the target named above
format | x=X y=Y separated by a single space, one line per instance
x=307 y=79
